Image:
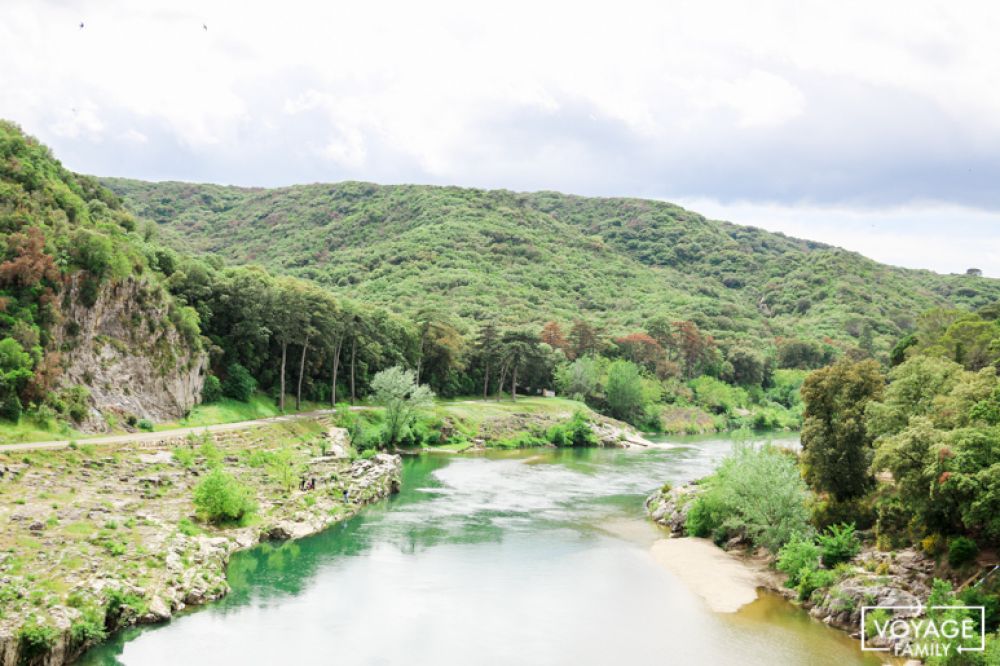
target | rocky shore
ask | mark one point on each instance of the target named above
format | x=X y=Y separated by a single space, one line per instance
x=872 y=578
x=96 y=539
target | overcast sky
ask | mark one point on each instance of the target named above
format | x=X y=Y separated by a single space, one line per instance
x=871 y=125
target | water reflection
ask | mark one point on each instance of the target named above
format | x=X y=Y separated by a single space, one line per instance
x=525 y=557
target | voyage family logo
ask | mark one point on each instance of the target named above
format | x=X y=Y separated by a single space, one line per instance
x=907 y=631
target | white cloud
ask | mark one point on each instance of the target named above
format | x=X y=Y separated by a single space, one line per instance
x=847 y=105
x=941 y=237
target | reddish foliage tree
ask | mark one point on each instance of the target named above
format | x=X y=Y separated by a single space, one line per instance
x=552 y=335
x=641 y=349
x=29 y=264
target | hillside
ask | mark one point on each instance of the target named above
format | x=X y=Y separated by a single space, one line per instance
x=88 y=333
x=530 y=258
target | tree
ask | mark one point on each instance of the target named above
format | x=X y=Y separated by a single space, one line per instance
x=749 y=367
x=836 y=447
x=486 y=353
x=519 y=349
x=581 y=379
x=803 y=355
x=239 y=384
x=643 y=350
x=15 y=371
x=692 y=348
x=398 y=392
x=441 y=348
x=584 y=339
x=552 y=335
x=624 y=391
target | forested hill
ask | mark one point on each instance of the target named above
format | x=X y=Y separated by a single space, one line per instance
x=530 y=258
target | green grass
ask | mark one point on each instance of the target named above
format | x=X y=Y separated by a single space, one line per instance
x=28 y=431
x=475 y=411
x=260 y=406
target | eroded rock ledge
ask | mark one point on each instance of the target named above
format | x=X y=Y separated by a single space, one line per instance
x=109 y=533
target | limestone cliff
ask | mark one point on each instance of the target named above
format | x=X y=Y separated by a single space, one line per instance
x=120 y=341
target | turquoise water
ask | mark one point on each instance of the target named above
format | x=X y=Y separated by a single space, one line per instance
x=530 y=557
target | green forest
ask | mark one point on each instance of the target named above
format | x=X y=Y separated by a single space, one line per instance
x=647 y=312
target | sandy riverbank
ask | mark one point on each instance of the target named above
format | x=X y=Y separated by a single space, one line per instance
x=723 y=581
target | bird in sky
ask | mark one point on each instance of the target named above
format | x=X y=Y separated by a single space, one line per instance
x=205 y=27
x=81 y=25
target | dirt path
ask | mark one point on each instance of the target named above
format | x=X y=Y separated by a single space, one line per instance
x=177 y=432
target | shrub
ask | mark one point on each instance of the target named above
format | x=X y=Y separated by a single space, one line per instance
x=838 y=544
x=36 y=638
x=212 y=390
x=145 y=424
x=239 y=383
x=10 y=406
x=704 y=517
x=933 y=544
x=757 y=492
x=220 y=498
x=89 y=626
x=575 y=432
x=810 y=581
x=976 y=596
x=184 y=456
x=798 y=557
x=961 y=551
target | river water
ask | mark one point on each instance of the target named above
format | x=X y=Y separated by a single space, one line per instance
x=523 y=558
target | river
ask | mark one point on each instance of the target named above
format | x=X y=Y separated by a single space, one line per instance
x=527 y=557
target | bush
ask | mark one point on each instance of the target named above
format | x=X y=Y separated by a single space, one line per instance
x=575 y=432
x=976 y=596
x=705 y=516
x=797 y=558
x=239 y=383
x=961 y=551
x=810 y=581
x=838 y=544
x=212 y=390
x=89 y=627
x=36 y=638
x=756 y=492
x=220 y=498
x=10 y=406
x=145 y=424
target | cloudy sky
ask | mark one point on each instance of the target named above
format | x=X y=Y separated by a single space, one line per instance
x=871 y=125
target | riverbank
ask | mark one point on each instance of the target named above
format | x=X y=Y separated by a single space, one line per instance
x=97 y=538
x=725 y=582
x=900 y=579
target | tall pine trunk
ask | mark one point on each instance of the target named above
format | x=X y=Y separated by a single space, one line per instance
x=486 y=382
x=281 y=398
x=503 y=376
x=333 y=379
x=302 y=370
x=354 y=349
x=513 y=383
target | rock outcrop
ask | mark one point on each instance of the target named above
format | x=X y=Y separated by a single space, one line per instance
x=120 y=341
